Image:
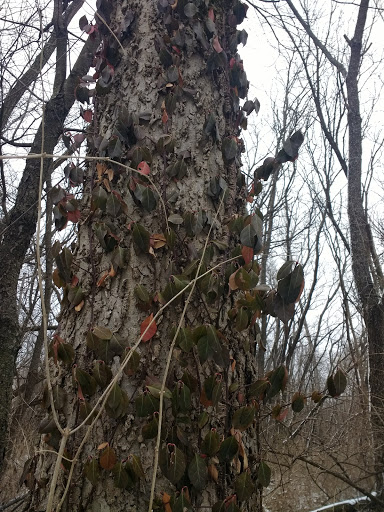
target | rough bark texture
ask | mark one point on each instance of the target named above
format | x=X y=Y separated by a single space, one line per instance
x=140 y=84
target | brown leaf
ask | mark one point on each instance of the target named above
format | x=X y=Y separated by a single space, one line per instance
x=79 y=307
x=149 y=323
x=108 y=458
x=213 y=473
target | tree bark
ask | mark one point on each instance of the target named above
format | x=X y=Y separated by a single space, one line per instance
x=173 y=85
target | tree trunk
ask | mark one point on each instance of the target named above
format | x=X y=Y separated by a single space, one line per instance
x=371 y=302
x=167 y=103
x=19 y=228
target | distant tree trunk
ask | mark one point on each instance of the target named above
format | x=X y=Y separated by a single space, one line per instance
x=167 y=104
x=19 y=227
x=369 y=295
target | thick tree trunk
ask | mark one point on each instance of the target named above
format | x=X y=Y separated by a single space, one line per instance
x=173 y=104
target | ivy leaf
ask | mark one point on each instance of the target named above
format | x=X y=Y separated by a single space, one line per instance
x=190 y=10
x=113 y=206
x=99 y=198
x=85 y=381
x=149 y=431
x=211 y=443
x=120 y=477
x=298 y=401
x=135 y=466
x=107 y=458
x=133 y=364
x=114 y=397
x=141 y=237
x=172 y=463
x=264 y=474
x=244 y=486
x=278 y=380
x=102 y=373
x=181 y=398
x=148 y=199
x=66 y=353
x=149 y=327
x=198 y=472
x=243 y=418
x=92 y=471
x=228 y=449
x=229 y=149
x=146 y=404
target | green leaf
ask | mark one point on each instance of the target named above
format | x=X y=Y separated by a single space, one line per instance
x=298 y=401
x=190 y=10
x=257 y=389
x=264 y=474
x=99 y=198
x=119 y=257
x=242 y=319
x=146 y=404
x=148 y=199
x=102 y=373
x=86 y=382
x=75 y=296
x=203 y=419
x=92 y=471
x=340 y=381
x=228 y=449
x=278 y=380
x=172 y=463
x=185 y=339
x=66 y=353
x=198 y=472
x=181 y=398
x=114 y=397
x=85 y=410
x=229 y=149
x=133 y=364
x=141 y=237
x=243 y=418
x=113 y=206
x=244 y=486
x=149 y=431
x=211 y=443
x=102 y=333
x=120 y=477
x=135 y=466
x=290 y=286
x=142 y=294
x=64 y=262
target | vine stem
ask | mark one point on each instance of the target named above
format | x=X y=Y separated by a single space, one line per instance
x=169 y=358
x=52 y=488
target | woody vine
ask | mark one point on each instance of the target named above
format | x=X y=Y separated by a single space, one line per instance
x=196 y=299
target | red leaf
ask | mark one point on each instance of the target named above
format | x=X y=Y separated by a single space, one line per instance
x=108 y=458
x=74 y=216
x=211 y=14
x=152 y=328
x=216 y=45
x=144 y=168
x=164 y=117
x=87 y=115
x=247 y=254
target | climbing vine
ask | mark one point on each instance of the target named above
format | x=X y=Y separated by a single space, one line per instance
x=132 y=182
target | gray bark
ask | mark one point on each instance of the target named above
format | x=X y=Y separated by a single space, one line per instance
x=135 y=86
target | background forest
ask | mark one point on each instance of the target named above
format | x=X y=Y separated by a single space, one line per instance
x=191 y=236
